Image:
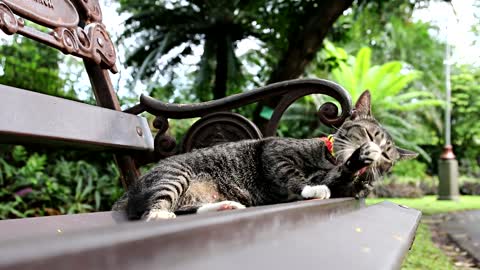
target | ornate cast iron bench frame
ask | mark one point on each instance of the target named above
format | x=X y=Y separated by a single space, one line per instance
x=101 y=241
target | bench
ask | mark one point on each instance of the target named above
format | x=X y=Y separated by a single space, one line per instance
x=331 y=234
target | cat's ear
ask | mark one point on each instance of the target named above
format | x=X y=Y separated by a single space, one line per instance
x=406 y=154
x=363 y=106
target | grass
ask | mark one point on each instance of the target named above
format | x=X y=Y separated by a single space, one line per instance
x=424 y=253
x=429 y=205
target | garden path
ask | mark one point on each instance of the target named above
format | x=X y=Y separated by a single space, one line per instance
x=464 y=229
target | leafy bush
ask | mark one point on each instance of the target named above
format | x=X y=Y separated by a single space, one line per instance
x=393 y=98
x=414 y=187
x=38 y=184
x=410 y=168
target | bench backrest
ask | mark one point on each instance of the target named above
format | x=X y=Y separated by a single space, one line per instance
x=74 y=27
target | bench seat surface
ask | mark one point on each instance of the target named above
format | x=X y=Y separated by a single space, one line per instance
x=330 y=234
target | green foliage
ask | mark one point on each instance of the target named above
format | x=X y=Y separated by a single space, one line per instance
x=425 y=254
x=392 y=101
x=37 y=184
x=29 y=65
x=465 y=112
x=168 y=32
x=389 y=29
x=430 y=205
x=176 y=28
x=410 y=168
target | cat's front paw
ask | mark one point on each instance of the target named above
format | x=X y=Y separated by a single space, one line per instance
x=369 y=153
x=364 y=156
x=158 y=214
x=316 y=192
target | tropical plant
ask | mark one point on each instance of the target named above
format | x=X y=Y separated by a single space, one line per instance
x=168 y=32
x=177 y=28
x=465 y=112
x=37 y=183
x=29 y=65
x=395 y=34
x=392 y=103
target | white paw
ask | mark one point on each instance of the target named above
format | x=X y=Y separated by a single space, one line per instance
x=316 y=192
x=157 y=214
x=371 y=153
x=220 y=206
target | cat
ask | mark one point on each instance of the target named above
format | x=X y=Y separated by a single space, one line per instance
x=268 y=171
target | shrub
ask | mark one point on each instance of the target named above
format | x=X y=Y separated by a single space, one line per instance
x=38 y=184
x=410 y=168
x=413 y=187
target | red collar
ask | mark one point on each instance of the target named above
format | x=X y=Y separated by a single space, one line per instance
x=329 y=143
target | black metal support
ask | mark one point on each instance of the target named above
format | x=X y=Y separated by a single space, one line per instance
x=219 y=125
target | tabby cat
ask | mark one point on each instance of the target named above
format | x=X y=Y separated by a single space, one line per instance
x=267 y=171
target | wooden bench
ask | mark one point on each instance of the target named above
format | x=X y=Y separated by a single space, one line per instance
x=330 y=234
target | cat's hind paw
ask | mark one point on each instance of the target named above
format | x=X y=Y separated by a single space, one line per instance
x=220 y=206
x=158 y=214
x=316 y=192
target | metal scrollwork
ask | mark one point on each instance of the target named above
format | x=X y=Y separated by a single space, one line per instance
x=218 y=128
x=92 y=10
x=102 y=48
x=217 y=125
x=49 y=13
x=68 y=39
x=164 y=145
x=92 y=42
x=288 y=91
x=8 y=22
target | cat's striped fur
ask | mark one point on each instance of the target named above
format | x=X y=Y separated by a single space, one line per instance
x=267 y=171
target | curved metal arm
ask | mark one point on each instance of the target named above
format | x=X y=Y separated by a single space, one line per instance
x=218 y=127
x=292 y=90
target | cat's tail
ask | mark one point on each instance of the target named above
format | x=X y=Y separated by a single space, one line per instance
x=121 y=203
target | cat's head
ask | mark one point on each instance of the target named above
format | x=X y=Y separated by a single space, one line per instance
x=361 y=127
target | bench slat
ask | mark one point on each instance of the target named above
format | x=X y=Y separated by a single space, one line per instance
x=32 y=117
x=332 y=234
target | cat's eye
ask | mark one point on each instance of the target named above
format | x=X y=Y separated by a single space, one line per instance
x=386 y=156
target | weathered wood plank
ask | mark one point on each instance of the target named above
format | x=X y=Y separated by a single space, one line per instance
x=32 y=117
x=331 y=234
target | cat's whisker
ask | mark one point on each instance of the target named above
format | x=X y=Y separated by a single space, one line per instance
x=341 y=140
x=324 y=133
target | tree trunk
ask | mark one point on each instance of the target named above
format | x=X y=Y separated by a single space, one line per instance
x=304 y=44
x=221 y=70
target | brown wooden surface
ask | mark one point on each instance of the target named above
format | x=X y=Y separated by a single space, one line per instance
x=328 y=234
x=107 y=98
x=37 y=118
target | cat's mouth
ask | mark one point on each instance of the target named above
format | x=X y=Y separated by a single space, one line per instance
x=362 y=171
